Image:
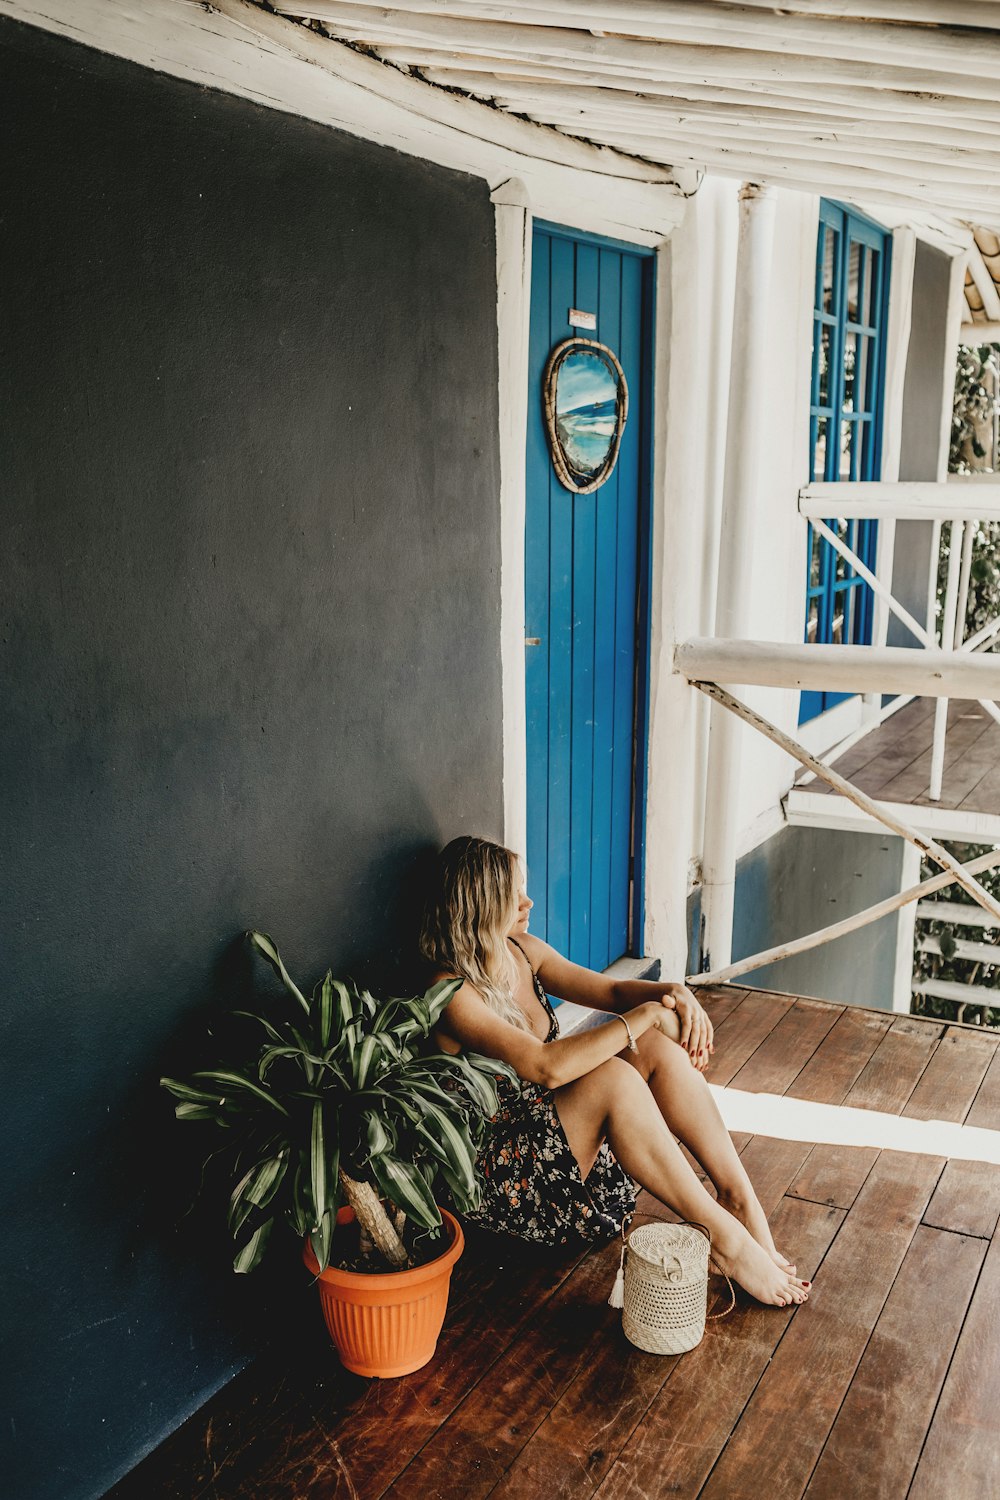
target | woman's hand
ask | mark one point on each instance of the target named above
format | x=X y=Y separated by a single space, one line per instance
x=697 y=1033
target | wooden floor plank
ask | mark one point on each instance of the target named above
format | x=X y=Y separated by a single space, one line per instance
x=876 y=1439
x=967 y=1199
x=782 y=1431
x=776 y=1063
x=961 y=1458
x=834 y=1174
x=535 y=1392
x=951 y=1080
x=835 y=1068
x=743 y=1033
x=354 y=1440
x=677 y=1441
x=502 y=1410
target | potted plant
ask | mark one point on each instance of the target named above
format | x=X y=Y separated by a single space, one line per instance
x=345 y=1119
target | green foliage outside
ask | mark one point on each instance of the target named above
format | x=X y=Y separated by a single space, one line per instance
x=947 y=964
x=973 y=450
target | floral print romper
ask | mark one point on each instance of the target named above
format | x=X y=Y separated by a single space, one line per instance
x=532 y=1182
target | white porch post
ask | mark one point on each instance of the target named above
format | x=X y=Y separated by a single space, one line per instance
x=513 y=236
x=747 y=404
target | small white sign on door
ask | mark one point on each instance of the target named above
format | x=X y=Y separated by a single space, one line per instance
x=578 y=319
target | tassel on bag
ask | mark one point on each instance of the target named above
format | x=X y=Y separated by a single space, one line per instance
x=617 y=1298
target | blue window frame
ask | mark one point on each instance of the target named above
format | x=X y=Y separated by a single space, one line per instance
x=845 y=421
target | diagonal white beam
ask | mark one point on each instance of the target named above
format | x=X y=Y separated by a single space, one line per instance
x=847 y=925
x=875 y=584
x=929 y=847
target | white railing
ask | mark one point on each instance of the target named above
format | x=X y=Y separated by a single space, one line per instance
x=961 y=504
x=975 y=997
x=953 y=668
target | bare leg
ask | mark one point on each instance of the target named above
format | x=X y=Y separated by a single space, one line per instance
x=613 y=1102
x=686 y=1103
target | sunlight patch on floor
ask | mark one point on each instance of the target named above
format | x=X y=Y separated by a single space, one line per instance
x=840 y=1125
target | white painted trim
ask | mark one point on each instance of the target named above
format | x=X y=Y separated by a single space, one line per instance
x=763 y=827
x=979 y=333
x=906 y=922
x=514 y=236
x=242 y=49
x=898 y=325
x=817 y=810
x=840 y=669
x=956 y=912
x=960 y=499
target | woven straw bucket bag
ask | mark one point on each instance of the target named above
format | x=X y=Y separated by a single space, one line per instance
x=665 y=1287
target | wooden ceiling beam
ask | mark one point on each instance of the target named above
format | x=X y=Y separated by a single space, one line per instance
x=693 y=23
x=968 y=155
x=853 y=109
x=818 y=178
x=985 y=285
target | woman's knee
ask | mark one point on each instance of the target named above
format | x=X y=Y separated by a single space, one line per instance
x=658 y=1053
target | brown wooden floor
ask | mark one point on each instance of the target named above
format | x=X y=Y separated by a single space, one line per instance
x=886 y=1384
x=893 y=762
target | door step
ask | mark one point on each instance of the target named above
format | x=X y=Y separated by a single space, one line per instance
x=573 y=1017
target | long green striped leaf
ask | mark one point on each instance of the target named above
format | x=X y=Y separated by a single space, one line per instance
x=185 y=1091
x=249 y=1257
x=377 y=1135
x=272 y=1031
x=256 y=1189
x=326 y=1010
x=188 y=1111
x=317 y=1161
x=321 y=1239
x=268 y=1057
x=303 y=1213
x=454 y=1139
x=368 y=1054
x=405 y=1186
x=440 y=996
x=268 y=950
x=228 y=1081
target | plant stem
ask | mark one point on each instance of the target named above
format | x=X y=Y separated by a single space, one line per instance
x=374 y=1220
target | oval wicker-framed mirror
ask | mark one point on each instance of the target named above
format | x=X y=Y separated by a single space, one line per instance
x=585 y=399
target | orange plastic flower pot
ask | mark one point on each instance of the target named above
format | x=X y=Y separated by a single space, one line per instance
x=387 y=1324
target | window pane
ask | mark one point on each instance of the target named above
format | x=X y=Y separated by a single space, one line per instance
x=850 y=369
x=862 y=374
x=855 y=273
x=842 y=569
x=812 y=620
x=819 y=451
x=846 y=444
x=814 y=558
x=824 y=365
x=873 y=288
x=829 y=264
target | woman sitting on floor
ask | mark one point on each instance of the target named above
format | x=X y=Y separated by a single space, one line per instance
x=595 y=1110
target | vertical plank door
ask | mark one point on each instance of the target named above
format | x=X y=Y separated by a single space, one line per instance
x=584 y=651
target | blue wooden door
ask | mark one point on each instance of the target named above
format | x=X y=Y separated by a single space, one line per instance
x=584 y=670
x=845 y=429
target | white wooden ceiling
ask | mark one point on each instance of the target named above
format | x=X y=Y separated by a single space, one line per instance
x=875 y=101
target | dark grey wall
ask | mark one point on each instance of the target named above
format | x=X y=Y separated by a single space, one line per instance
x=928 y=366
x=250 y=610
x=803 y=879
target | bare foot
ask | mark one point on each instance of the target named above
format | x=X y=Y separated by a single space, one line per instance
x=754 y=1219
x=754 y=1269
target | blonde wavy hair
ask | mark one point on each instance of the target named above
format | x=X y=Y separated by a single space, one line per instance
x=470 y=909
